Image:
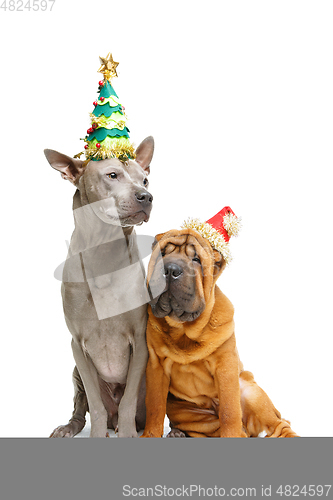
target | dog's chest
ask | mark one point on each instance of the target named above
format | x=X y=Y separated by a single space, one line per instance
x=193 y=381
x=107 y=342
x=109 y=351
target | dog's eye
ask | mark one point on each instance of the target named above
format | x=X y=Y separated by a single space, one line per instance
x=145 y=182
x=196 y=259
x=113 y=175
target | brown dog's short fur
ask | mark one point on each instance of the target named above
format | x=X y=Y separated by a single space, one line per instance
x=194 y=373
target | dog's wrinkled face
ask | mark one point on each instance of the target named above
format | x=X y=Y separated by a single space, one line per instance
x=189 y=267
x=117 y=191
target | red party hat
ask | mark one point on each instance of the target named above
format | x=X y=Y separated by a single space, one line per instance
x=217 y=230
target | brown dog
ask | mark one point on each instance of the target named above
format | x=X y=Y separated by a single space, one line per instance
x=194 y=373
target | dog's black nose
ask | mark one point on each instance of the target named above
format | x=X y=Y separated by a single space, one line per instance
x=172 y=270
x=144 y=197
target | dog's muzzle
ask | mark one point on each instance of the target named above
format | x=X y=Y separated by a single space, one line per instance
x=178 y=299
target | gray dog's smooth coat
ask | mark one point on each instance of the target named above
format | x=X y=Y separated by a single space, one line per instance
x=103 y=291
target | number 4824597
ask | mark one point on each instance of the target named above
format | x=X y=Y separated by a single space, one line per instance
x=20 y=5
x=311 y=490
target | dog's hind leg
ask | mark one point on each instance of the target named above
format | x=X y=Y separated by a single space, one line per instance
x=77 y=422
x=188 y=419
x=258 y=411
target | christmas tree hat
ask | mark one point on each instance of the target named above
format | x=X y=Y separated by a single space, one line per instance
x=108 y=136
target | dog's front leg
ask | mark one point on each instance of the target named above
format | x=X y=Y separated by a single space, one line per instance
x=157 y=389
x=129 y=401
x=227 y=379
x=88 y=373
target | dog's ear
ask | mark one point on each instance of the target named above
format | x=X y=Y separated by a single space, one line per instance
x=144 y=153
x=70 y=168
x=157 y=239
x=219 y=263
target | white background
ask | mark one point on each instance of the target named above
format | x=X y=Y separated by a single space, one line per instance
x=238 y=96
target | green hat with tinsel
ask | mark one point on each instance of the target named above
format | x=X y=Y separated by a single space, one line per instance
x=108 y=136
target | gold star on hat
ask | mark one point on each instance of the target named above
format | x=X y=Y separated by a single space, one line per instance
x=108 y=67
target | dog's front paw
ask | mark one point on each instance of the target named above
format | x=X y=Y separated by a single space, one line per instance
x=126 y=431
x=150 y=433
x=127 y=434
x=232 y=433
x=176 y=433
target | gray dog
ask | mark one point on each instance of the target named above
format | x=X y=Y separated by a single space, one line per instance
x=104 y=293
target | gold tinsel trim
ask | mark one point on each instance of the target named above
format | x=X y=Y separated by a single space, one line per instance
x=118 y=150
x=101 y=121
x=121 y=124
x=85 y=162
x=214 y=237
x=232 y=224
